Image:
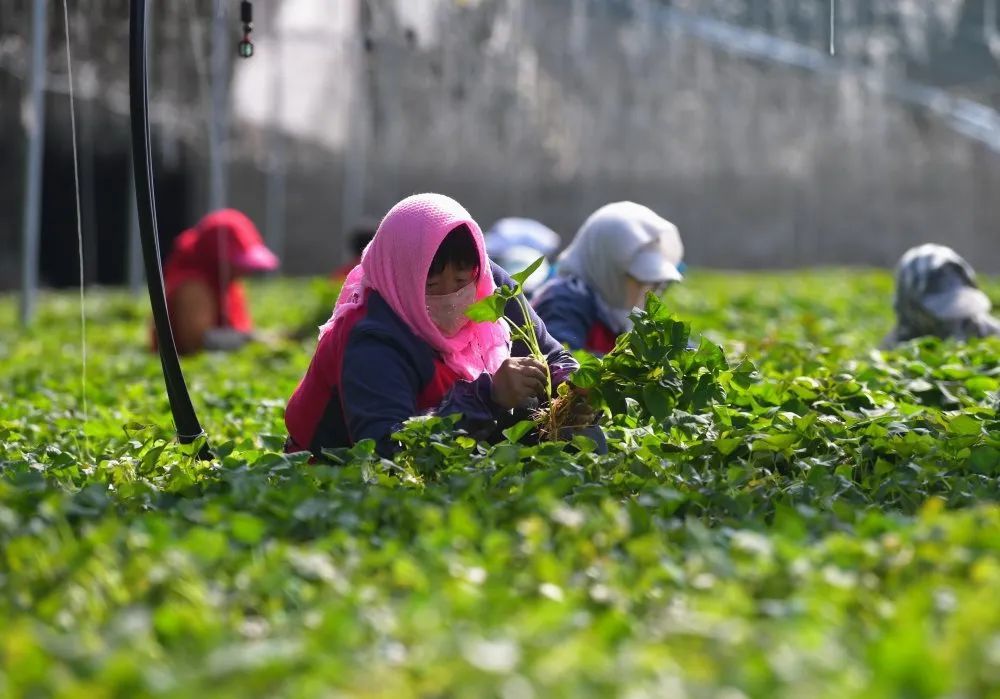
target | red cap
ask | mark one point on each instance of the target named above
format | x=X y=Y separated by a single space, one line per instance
x=232 y=233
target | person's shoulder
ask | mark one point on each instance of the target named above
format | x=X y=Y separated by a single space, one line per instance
x=379 y=320
x=500 y=276
x=381 y=331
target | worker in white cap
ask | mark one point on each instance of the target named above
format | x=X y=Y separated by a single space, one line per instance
x=622 y=251
x=937 y=295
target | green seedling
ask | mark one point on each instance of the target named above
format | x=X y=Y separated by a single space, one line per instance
x=494 y=308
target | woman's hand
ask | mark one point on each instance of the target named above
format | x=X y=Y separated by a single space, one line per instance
x=517 y=380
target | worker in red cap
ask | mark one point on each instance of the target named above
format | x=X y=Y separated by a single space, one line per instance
x=207 y=304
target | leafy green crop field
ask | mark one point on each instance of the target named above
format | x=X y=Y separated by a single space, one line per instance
x=821 y=522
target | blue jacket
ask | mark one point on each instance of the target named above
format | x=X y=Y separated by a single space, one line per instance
x=573 y=315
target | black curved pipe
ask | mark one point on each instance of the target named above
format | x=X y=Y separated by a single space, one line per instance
x=185 y=418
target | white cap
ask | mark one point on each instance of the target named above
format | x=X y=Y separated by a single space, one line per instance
x=651 y=266
x=670 y=243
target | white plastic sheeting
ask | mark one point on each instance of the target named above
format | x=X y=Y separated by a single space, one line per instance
x=317 y=66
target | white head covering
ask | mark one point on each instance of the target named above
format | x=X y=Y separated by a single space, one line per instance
x=922 y=281
x=937 y=294
x=623 y=239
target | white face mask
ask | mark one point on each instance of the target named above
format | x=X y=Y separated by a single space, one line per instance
x=448 y=310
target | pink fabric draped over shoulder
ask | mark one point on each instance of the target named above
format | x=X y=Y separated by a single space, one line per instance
x=396 y=263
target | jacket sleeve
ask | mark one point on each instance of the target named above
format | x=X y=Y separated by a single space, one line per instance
x=561 y=363
x=474 y=401
x=379 y=385
x=568 y=315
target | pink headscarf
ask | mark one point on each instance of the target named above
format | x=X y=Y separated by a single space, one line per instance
x=396 y=263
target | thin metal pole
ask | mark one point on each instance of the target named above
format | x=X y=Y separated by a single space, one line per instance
x=356 y=146
x=35 y=125
x=991 y=34
x=219 y=131
x=833 y=27
x=89 y=223
x=274 y=222
x=516 y=154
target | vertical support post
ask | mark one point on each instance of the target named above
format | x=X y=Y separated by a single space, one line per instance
x=515 y=155
x=356 y=144
x=35 y=127
x=833 y=27
x=991 y=32
x=274 y=223
x=88 y=194
x=219 y=130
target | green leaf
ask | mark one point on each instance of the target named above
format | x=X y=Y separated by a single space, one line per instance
x=965 y=425
x=506 y=454
x=589 y=373
x=656 y=400
x=727 y=445
x=745 y=375
x=246 y=528
x=152 y=457
x=584 y=444
x=679 y=334
x=488 y=310
x=522 y=276
x=711 y=355
x=516 y=432
x=985 y=460
x=982 y=384
x=777 y=442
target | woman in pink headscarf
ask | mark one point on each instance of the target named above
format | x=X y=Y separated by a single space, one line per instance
x=399 y=345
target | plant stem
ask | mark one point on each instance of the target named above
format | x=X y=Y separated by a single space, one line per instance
x=527 y=333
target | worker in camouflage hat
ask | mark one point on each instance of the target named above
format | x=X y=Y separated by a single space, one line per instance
x=937 y=295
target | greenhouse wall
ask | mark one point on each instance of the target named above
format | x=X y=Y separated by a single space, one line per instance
x=731 y=118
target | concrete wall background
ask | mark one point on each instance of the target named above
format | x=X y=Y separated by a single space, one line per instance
x=766 y=152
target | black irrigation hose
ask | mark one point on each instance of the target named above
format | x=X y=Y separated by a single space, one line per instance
x=185 y=418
